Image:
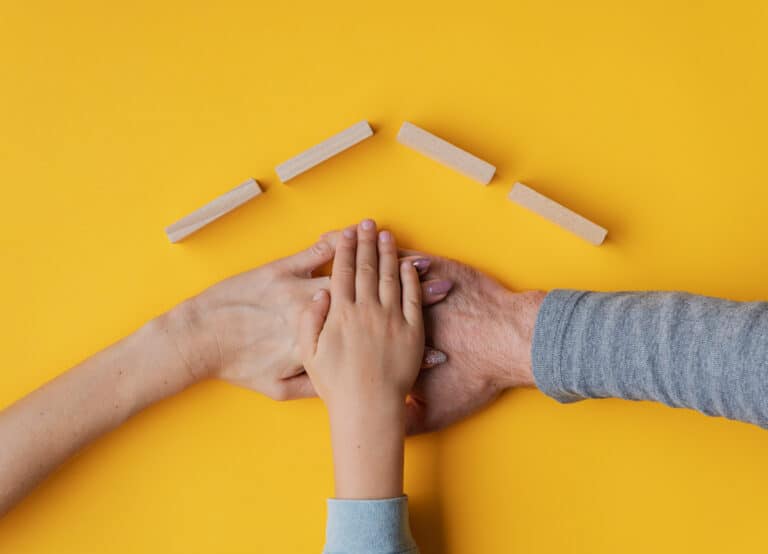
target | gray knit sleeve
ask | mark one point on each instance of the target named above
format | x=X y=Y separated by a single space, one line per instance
x=369 y=526
x=680 y=349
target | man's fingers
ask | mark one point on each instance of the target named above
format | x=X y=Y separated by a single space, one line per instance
x=367 y=270
x=343 y=273
x=303 y=263
x=411 y=294
x=311 y=323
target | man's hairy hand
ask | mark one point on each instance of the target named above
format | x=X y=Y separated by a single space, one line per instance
x=486 y=332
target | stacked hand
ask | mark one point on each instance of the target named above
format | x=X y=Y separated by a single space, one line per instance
x=362 y=347
x=245 y=329
x=485 y=333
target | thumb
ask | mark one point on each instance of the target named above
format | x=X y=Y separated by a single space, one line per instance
x=303 y=263
x=298 y=386
x=311 y=323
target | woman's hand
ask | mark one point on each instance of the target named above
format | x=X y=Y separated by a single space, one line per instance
x=244 y=329
x=362 y=347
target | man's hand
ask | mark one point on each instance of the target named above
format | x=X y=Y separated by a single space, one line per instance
x=486 y=332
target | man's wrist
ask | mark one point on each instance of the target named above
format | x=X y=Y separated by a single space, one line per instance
x=520 y=311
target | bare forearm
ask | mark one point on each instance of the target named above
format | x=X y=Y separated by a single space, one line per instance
x=368 y=451
x=43 y=429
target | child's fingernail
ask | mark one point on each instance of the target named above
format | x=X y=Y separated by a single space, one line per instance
x=434 y=357
x=439 y=287
x=319 y=295
x=385 y=237
x=367 y=224
x=350 y=233
x=422 y=265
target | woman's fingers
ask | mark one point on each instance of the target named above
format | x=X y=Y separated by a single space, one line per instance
x=303 y=263
x=367 y=272
x=295 y=387
x=411 y=294
x=435 y=290
x=343 y=273
x=389 y=273
x=432 y=357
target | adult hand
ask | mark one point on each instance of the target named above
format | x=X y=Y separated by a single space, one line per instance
x=245 y=329
x=486 y=332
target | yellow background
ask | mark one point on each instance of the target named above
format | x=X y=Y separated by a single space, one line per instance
x=118 y=118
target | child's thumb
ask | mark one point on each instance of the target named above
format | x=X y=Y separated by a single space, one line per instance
x=311 y=323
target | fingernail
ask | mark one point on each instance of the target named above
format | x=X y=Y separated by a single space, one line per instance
x=318 y=295
x=367 y=224
x=350 y=233
x=385 y=236
x=434 y=357
x=422 y=265
x=439 y=287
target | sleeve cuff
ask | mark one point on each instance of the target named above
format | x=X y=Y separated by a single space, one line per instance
x=548 y=338
x=371 y=526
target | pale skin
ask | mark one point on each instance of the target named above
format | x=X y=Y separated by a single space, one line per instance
x=486 y=331
x=362 y=346
x=243 y=330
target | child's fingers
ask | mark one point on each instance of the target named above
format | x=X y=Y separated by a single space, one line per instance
x=389 y=276
x=343 y=272
x=411 y=294
x=311 y=323
x=367 y=272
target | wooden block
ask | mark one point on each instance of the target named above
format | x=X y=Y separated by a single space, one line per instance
x=557 y=213
x=213 y=210
x=321 y=152
x=445 y=153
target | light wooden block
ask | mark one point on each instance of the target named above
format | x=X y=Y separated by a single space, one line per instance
x=557 y=213
x=445 y=153
x=321 y=152
x=213 y=210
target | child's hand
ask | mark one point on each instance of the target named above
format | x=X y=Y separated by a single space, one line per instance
x=363 y=358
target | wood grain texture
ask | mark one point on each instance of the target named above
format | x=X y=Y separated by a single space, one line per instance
x=321 y=152
x=557 y=213
x=213 y=210
x=445 y=153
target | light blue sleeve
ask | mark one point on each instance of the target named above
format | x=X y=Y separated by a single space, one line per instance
x=680 y=349
x=369 y=526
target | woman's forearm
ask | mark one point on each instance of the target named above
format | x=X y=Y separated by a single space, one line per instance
x=680 y=349
x=40 y=431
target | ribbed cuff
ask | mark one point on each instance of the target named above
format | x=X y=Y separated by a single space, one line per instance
x=548 y=340
x=374 y=526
